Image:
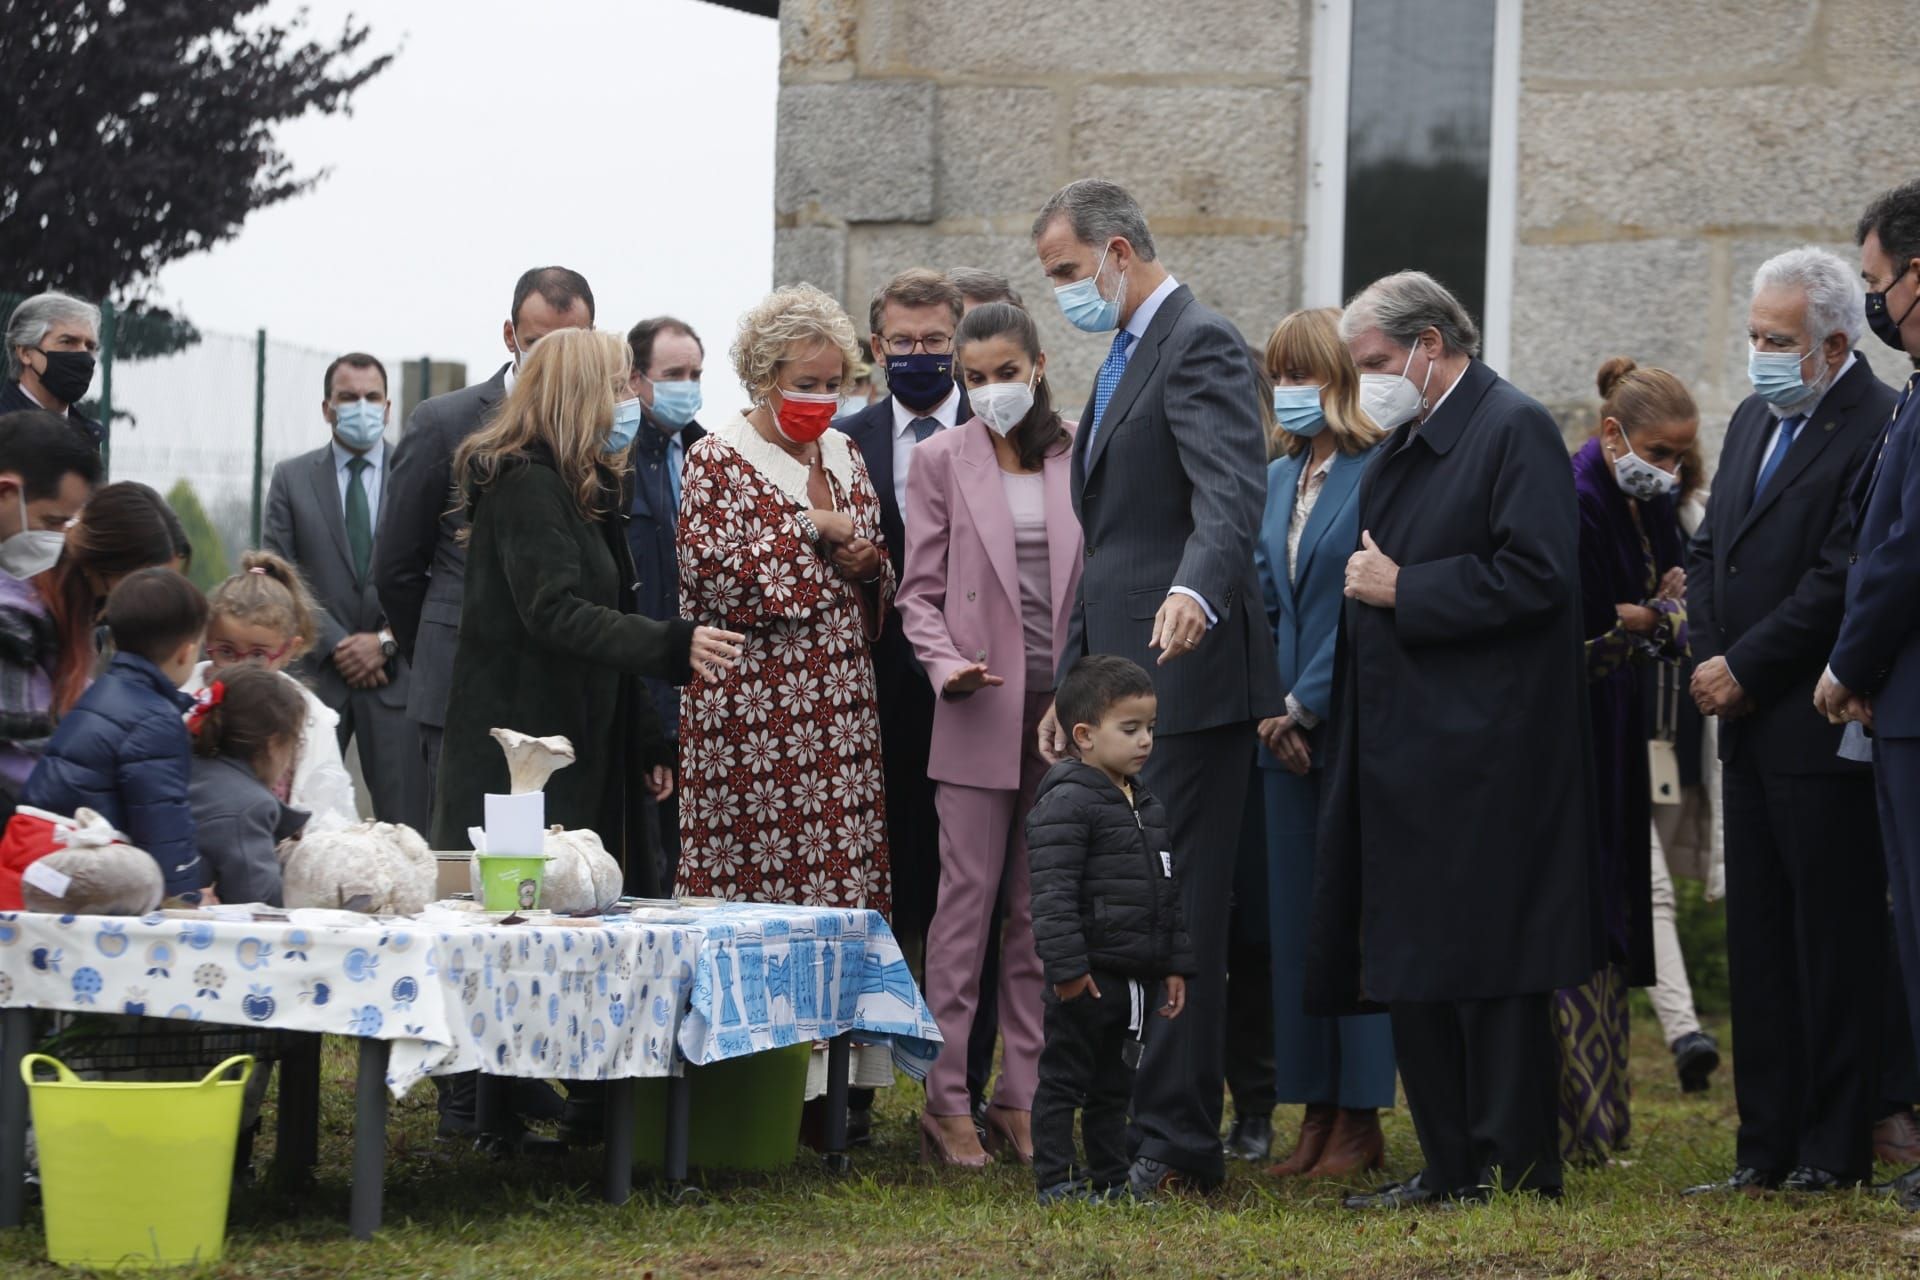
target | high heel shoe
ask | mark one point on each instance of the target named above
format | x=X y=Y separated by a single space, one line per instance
x=1001 y=1137
x=1355 y=1145
x=934 y=1148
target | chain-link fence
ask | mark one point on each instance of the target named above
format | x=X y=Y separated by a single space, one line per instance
x=203 y=417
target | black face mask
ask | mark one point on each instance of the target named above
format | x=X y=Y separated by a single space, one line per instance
x=1884 y=326
x=68 y=374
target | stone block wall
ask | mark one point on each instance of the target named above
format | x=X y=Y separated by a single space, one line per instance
x=923 y=133
x=1667 y=148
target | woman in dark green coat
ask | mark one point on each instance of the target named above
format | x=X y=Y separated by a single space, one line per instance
x=549 y=642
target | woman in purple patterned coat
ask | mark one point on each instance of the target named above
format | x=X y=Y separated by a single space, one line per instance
x=1633 y=605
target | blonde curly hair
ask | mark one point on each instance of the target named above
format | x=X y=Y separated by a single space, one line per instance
x=787 y=323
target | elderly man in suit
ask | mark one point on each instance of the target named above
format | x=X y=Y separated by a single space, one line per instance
x=1873 y=670
x=52 y=340
x=419 y=564
x=1457 y=835
x=321 y=511
x=1169 y=480
x=1806 y=890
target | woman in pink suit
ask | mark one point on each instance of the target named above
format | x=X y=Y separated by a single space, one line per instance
x=993 y=557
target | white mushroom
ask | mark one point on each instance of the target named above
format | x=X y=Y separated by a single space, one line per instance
x=530 y=760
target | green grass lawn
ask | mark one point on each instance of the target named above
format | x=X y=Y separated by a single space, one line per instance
x=454 y=1213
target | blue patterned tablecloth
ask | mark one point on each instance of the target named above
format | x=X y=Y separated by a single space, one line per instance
x=591 y=1000
x=374 y=980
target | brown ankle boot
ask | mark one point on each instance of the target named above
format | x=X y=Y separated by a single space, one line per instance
x=1355 y=1145
x=1315 y=1128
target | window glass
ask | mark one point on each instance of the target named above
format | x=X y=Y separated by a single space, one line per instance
x=1418 y=140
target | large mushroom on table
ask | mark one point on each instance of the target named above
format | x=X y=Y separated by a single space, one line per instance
x=530 y=760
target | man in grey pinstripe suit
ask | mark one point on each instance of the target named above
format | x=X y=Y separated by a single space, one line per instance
x=1169 y=482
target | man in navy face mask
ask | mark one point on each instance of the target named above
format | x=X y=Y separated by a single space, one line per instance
x=912 y=319
x=1873 y=671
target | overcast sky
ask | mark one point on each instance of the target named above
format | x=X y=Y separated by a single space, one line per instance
x=629 y=139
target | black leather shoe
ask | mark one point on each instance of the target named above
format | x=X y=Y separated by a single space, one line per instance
x=1149 y=1176
x=1750 y=1181
x=859 y=1127
x=1696 y=1056
x=1411 y=1194
x=1907 y=1184
x=1251 y=1138
x=979 y=1112
x=1817 y=1181
x=1072 y=1191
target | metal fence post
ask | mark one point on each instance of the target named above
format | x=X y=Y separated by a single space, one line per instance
x=259 y=424
x=107 y=319
x=426 y=377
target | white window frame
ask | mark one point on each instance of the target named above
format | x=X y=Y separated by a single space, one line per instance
x=1329 y=68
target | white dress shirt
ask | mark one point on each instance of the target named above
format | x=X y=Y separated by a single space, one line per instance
x=376 y=467
x=946 y=413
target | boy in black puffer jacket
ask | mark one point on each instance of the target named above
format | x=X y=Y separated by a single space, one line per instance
x=1106 y=922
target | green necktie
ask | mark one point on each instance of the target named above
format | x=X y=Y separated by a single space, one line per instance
x=359 y=517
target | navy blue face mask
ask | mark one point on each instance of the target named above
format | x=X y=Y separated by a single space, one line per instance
x=920 y=381
x=1881 y=321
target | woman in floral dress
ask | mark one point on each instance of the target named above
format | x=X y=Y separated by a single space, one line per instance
x=781 y=796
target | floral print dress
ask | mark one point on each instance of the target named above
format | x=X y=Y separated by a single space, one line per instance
x=781 y=788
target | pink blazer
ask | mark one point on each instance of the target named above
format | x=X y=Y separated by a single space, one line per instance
x=959 y=598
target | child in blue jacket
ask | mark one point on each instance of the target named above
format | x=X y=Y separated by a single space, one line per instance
x=123 y=750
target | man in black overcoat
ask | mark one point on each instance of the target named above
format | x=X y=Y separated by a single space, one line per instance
x=1455 y=879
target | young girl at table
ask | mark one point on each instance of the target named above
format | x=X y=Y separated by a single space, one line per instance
x=246 y=728
x=264 y=616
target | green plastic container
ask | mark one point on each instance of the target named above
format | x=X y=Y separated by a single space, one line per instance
x=745 y=1113
x=511 y=881
x=135 y=1174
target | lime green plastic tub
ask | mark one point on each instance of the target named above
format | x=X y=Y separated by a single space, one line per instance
x=745 y=1113
x=133 y=1174
x=511 y=881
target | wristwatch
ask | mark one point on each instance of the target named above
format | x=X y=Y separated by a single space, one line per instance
x=388 y=645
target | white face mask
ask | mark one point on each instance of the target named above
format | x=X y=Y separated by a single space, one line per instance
x=1639 y=478
x=1002 y=405
x=31 y=550
x=1391 y=398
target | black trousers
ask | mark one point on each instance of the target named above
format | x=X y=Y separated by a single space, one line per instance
x=1083 y=1067
x=1482 y=1080
x=1806 y=912
x=1201 y=778
x=1249 y=1047
x=430 y=739
x=913 y=824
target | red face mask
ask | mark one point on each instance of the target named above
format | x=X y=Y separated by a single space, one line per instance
x=804 y=416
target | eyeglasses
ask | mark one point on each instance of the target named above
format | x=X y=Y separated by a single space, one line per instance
x=934 y=344
x=223 y=654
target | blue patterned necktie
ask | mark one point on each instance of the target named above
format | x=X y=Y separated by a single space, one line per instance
x=922 y=428
x=1789 y=429
x=1110 y=371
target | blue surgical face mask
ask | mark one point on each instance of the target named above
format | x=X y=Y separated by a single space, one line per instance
x=359 y=424
x=1298 y=409
x=626 y=424
x=675 y=403
x=1776 y=376
x=1085 y=307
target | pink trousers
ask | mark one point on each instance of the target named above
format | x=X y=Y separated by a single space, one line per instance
x=983 y=854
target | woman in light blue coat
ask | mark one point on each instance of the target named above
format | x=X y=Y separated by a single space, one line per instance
x=1340 y=1068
